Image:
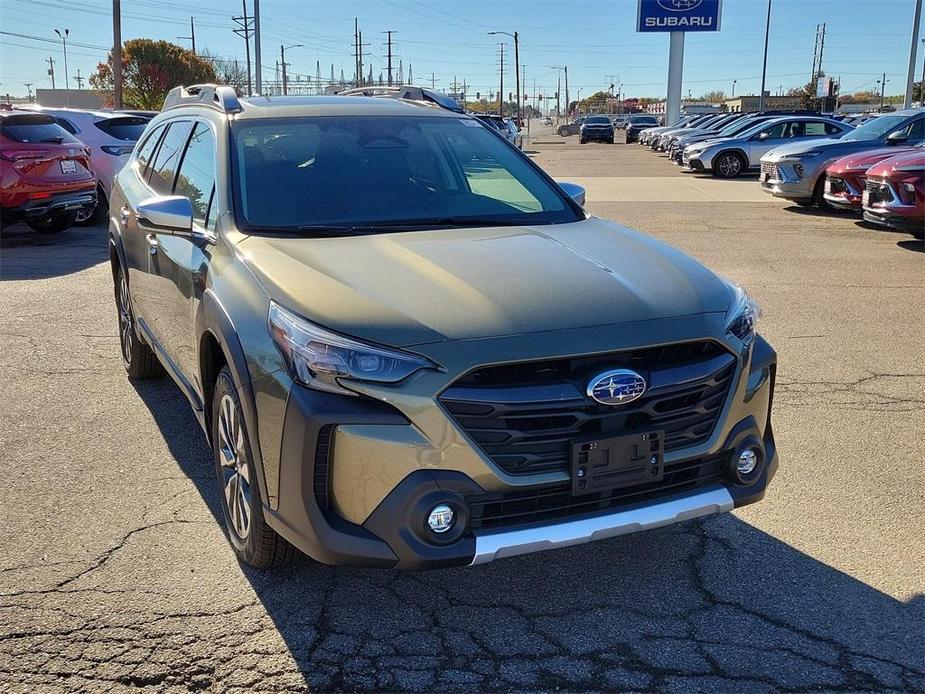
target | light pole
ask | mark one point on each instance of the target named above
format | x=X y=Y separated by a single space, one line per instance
x=63 y=38
x=764 y=64
x=734 y=88
x=282 y=60
x=922 y=86
x=516 y=38
x=579 y=101
x=560 y=68
x=882 y=84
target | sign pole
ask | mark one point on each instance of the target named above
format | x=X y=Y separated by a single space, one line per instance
x=675 y=77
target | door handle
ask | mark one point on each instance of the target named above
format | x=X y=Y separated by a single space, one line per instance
x=151 y=240
x=124 y=214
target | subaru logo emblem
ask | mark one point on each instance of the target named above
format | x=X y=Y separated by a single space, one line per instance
x=617 y=387
x=679 y=5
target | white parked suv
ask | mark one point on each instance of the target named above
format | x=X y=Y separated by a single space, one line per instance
x=111 y=137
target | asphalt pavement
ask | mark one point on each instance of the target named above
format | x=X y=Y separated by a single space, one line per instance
x=115 y=574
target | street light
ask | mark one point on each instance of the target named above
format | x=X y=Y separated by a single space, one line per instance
x=579 y=101
x=282 y=60
x=734 y=88
x=516 y=38
x=63 y=38
x=561 y=67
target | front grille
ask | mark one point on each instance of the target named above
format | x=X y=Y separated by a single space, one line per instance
x=525 y=416
x=322 y=464
x=771 y=170
x=556 y=501
x=878 y=192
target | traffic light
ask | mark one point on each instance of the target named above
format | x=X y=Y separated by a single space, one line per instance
x=478 y=96
x=510 y=96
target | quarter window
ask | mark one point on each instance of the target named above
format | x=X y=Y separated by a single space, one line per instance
x=815 y=129
x=168 y=157
x=147 y=149
x=196 y=178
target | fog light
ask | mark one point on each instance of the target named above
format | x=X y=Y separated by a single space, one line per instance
x=748 y=460
x=441 y=518
x=798 y=170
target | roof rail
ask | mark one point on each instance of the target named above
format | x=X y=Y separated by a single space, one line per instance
x=416 y=94
x=218 y=96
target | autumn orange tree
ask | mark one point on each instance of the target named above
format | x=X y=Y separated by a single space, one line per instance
x=149 y=70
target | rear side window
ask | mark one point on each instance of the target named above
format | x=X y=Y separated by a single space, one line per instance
x=66 y=124
x=34 y=128
x=831 y=129
x=128 y=128
x=815 y=128
x=196 y=178
x=168 y=157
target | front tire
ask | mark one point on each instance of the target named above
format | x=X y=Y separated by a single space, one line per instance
x=139 y=360
x=819 y=195
x=254 y=542
x=53 y=223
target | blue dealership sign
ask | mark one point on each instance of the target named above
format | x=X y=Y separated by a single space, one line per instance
x=679 y=15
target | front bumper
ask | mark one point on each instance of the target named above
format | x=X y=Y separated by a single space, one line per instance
x=786 y=184
x=885 y=217
x=599 y=135
x=339 y=453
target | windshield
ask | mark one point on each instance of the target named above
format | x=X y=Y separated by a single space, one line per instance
x=874 y=129
x=597 y=120
x=128 y=128
x=643 y=120
x=743 y=126
x=364 y=174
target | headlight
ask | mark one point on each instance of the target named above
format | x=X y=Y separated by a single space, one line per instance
x=317 y=358
x=806 y=155
x=743 y=315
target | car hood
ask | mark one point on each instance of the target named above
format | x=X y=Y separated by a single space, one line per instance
x=910 y=161
x=710 y=141
x=868 y=158
x=420 y=287
x=833 y=148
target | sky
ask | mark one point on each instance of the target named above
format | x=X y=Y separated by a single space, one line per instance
x=449 y=40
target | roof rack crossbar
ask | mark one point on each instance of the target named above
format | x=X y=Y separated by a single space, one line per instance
x=218 y=96
x=407 y=93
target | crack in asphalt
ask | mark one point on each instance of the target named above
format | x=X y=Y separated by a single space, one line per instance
x=850 y=394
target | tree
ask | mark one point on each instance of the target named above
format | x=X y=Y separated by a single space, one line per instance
x=149 y=70
x=716 y=96
x=230 y=72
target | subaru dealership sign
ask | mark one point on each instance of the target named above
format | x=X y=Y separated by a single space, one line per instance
x=679 y=15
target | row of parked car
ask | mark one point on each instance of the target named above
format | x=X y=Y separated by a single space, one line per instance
x=601 y=127
x=57 y=165
x=871 y=165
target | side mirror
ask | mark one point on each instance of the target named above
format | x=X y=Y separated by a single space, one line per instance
x=166 y=214
x=763 y=136
x=574 y=191
x=896 y=138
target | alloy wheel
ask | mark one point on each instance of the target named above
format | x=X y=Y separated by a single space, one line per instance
x=125 y=320
x=730 y=166
x=235 y=472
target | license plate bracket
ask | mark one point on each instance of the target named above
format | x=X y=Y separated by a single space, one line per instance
x=619 y=461
x=68 y=166
x=865 y=198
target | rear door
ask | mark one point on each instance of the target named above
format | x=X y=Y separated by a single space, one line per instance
x=154 y=179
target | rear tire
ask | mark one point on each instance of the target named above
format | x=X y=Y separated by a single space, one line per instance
x=53 y=223
x=96 y=215
x=254 y=542
x=139 y=360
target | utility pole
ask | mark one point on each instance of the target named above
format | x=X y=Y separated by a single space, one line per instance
x=360 y=46
x=389 y=68
x=28 y=86
x=922 y=85
x=79 y=80
x=282 y=62
x=517 y=70
x=244 y=30
x=764 y=63
x=258 y=78
x=51 y=69
x=356 y=50
x=910 y=76
x=566 y=88
x=433 y=81
x=117 y=54
x=882 y=83
x=63 y=36
x=501 y=90
x=192 y=35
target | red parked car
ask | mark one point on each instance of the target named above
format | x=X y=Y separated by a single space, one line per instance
x=895 y=192
x=45 y=173
x=846 y=177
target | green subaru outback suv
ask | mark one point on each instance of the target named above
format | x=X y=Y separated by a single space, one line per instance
x=409 y=347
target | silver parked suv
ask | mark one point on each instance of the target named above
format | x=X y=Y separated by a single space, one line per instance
x=797 y=171
x=409 y=347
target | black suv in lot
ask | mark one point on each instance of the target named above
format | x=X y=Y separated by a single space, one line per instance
x=409 y=347
x=637 y=123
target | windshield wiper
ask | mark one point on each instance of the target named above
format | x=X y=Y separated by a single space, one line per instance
x=409 y=225
x=53 y=140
